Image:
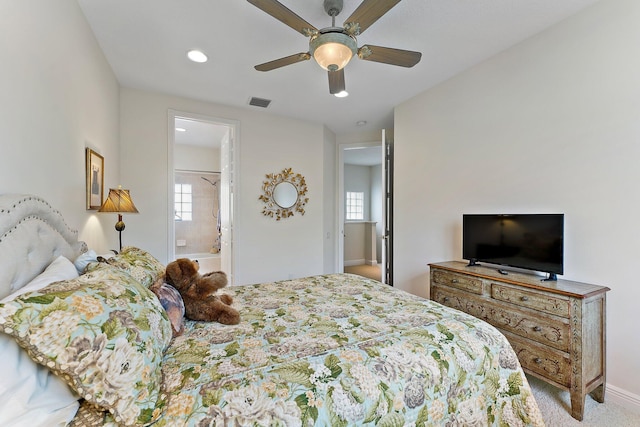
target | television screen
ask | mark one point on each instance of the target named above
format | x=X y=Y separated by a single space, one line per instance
x=528 y=241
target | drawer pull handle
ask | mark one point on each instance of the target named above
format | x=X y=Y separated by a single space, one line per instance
x=537 y=328
x=445 y=299
x=454 y=280
x=537 y=361
x=524 y=298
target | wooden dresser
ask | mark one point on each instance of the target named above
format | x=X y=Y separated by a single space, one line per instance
x=556 y=328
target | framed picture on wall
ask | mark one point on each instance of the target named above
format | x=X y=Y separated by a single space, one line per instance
x=95 y=179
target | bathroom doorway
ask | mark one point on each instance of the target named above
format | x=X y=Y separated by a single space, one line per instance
x=201 y=191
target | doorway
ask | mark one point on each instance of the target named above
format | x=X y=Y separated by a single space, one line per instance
x=364 y=210
x=201 y=186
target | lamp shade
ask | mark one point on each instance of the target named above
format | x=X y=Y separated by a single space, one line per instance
x=332 y=51
x=118 y=200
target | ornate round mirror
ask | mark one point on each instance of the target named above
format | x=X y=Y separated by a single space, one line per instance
x=283 y=194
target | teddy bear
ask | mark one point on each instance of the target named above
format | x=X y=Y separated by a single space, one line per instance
x=198 y=292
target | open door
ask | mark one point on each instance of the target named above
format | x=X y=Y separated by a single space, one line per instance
x=387 y=209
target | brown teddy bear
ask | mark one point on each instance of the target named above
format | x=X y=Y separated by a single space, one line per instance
x=199 y=292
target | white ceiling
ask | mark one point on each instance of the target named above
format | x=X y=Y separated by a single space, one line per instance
x=199 y=133
x=363 y=156
x=146 y=41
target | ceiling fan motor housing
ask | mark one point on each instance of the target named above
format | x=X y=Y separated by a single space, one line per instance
x=332 y=48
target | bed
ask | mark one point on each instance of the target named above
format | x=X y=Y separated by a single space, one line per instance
x=330 y=350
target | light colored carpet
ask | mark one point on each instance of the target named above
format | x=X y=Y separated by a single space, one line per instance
x=555 y=406
x=370 y=271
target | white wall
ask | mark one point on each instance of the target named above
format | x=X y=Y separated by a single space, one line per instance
x=268 y=249
x=355 y=247
x=329 y=202
x=195 y=158
x=358 y=137
x=550 y=125
x=59 y=96
x=377 y=204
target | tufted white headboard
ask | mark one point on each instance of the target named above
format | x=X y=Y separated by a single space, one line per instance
x=32 y=234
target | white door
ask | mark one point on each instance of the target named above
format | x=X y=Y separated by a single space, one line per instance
x=387 y=208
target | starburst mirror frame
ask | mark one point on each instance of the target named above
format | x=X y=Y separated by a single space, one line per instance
x=284 y=194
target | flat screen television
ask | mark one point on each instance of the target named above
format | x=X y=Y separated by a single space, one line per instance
x=527 y=241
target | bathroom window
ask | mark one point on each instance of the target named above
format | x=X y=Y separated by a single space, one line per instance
x=355 y=206
x=183 y=202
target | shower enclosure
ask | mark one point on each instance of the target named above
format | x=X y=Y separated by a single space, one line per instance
x=197 y=217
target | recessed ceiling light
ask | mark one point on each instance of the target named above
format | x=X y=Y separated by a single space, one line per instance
x=181 y=130
x=197 y=56
x=341 y=94
x=361 y=122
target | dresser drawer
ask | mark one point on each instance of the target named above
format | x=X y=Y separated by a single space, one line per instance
x=534 y=326
x=459 y=281
x=544 y=361
x=552 y=304
x=462 y=301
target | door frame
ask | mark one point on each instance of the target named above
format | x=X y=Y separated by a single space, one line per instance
x=229 y=165
x=340 y=202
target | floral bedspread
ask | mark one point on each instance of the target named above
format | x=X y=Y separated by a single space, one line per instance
x=340 y=350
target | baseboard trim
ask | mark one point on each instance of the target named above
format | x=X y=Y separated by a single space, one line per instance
x=371 y=262
x=352 y=262
x=623 y=398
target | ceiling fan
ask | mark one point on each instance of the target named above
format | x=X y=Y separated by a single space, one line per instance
x=333 y=47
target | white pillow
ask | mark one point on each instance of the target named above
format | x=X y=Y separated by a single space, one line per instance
x=84 y=259
x=30 y=395
x=60 y=269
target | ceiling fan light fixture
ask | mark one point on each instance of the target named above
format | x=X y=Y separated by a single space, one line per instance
x=341 y=94
x=333 y=51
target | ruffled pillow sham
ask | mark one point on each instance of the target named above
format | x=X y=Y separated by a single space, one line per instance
x=139 y=263
x=103 y=333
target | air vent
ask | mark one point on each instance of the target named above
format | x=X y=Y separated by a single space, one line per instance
x=259 y=102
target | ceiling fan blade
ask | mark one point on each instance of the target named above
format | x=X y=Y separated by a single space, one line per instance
x=366 y=14
x=387 y=55
x=287 y=60
x=336 y=81
x=285 y=15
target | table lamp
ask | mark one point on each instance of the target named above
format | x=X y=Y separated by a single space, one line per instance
x=119 y=201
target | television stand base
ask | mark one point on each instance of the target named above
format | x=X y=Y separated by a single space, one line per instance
x=552 y=278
